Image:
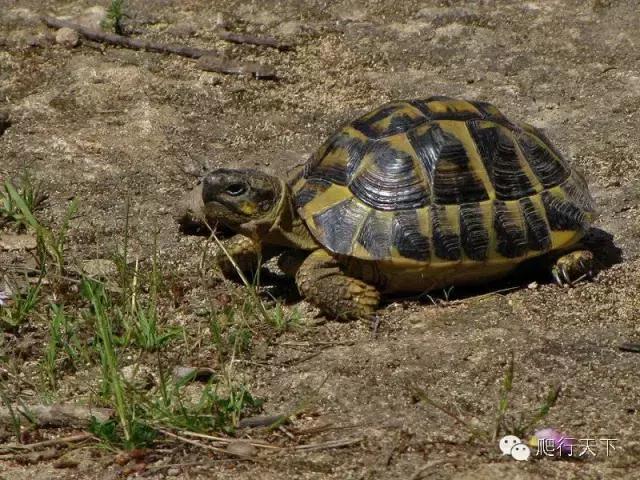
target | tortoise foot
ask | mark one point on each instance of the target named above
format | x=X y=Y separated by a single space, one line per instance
x=573 y=267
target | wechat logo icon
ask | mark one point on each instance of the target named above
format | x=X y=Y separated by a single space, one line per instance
x=513 y=446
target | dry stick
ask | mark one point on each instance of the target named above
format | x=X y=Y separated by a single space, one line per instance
x=60 y=415
x=255 y=443
x=48 y=443
x=330 y=444
x=204 y=445
x=254 y=40
x=212 y=63
x=220 y=65
x=311 y=446
x=133 y=43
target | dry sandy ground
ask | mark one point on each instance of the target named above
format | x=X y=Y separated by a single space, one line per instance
x=105 y=124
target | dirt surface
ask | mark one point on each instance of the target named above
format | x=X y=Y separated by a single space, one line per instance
x=103 y=125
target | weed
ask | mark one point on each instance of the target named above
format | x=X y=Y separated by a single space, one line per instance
x=28 y=194
x=282 y=320
x=504 y=423
x=50 y=244
x=15 y=314
x=212 y=410
x=231 y=335
x=62 y=339
x=115 y=16
x=112 y=381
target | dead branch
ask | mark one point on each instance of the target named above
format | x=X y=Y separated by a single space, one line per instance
x=53 y=442
x=330 y=444
x=254 y=40
x=203 y=445
x=126 y=42
x=211 y=63
x=226 y=441
x=61 y=415
x=211 y=60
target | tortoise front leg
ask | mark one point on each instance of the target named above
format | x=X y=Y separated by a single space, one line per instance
x=245 y=252
x=573 y=267
x=323 y=283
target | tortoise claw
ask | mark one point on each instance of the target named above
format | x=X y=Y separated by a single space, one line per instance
x=573 y=268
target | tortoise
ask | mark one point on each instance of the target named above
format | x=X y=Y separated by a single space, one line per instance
x=413 y=196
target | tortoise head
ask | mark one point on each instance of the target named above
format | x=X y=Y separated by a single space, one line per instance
x=244 y=200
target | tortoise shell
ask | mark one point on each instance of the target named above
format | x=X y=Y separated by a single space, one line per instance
x=441 y=180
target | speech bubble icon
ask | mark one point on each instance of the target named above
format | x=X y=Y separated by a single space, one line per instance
x=507 y=443
x=521 y=452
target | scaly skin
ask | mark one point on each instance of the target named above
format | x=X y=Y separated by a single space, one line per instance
x=245 y=253
x=573 y=267
x=323 y=283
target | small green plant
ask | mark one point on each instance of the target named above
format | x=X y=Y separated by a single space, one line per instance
x=62 y=340
x=213 y=410
x=148 y=335
x=282 y=320
x=15 y=314
x=50 y=244
x=112 y=381
x=15 y=201
x=229 y=333
x=504 y=423
x=115 y=16
x=140 y=414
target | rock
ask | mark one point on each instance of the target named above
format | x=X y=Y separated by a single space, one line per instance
x=99 y=268
x=173 y=472
x=140 y=376
x=67 y=37
x=17 y=241
x=241 y=448
x=200 y=374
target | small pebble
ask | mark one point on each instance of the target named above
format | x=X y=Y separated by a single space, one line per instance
x=173 y=472
x=100 y=268
x=67 y=37
x=242 y=449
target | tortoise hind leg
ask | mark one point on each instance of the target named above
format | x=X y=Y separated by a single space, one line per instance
x=573 y=267
x=323 y=283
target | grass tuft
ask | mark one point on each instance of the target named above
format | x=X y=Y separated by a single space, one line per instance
x=114 y=18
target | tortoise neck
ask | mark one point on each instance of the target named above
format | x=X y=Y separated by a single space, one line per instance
x=288 y=229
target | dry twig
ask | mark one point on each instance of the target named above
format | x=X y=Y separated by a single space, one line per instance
x=212 y=60
x=254 y=40
x=81 y=437
x=347 y=442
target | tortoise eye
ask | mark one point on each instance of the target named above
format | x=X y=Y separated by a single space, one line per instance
x=236 y=189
